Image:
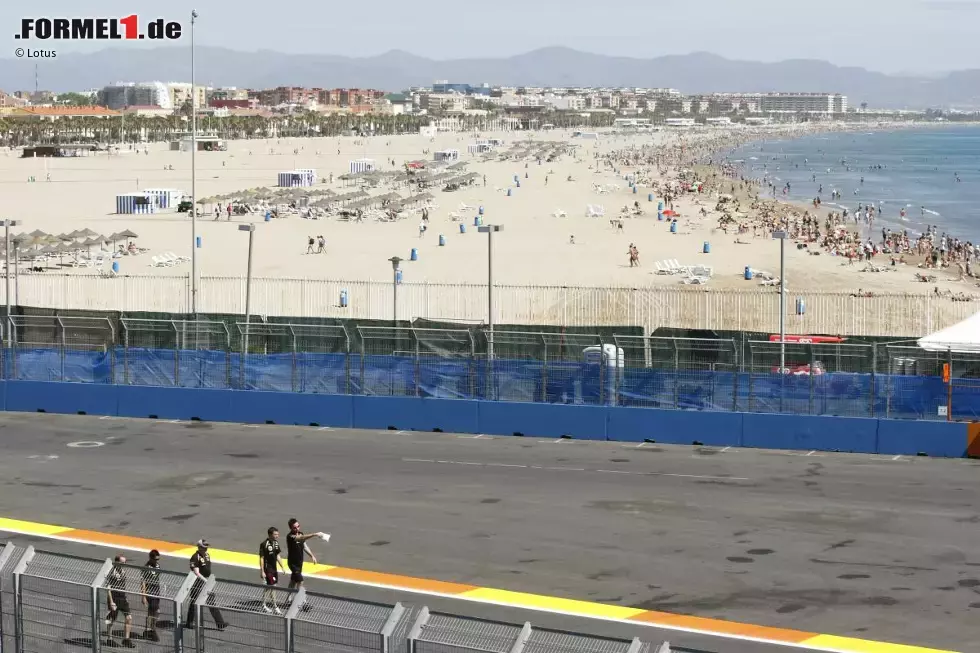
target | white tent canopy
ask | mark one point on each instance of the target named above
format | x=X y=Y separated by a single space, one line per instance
x=961 y=337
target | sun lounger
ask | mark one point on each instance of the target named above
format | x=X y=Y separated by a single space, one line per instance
x=662 y=269
x=694 y=280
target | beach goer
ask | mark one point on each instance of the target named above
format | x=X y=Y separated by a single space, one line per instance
x=309 y=245
x=321 y=244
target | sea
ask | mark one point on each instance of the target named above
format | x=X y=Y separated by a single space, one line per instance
x=933 y=172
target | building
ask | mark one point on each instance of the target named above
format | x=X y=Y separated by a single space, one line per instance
x=180 y=94
x=147 y=94
x=228 y=93
x=785 y=103
x=444 y=87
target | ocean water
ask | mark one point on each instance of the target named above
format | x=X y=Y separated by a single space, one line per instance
x=919 y=171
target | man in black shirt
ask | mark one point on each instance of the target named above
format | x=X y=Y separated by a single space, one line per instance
x=270 y=561
x=118 y=603
x=201 y=566
x=296 y=550
x=151 y=595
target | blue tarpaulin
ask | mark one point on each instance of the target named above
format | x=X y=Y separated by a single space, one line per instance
x=912 y=397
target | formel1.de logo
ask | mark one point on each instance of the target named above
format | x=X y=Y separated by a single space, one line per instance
x=128 y=28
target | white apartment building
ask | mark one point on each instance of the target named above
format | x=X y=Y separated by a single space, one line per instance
x=180 y=94
x=144 y=94
x=810 y=103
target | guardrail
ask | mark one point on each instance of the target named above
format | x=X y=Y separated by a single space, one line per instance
x=55 y=602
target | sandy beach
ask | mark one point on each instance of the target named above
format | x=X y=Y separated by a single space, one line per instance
x=536 y=247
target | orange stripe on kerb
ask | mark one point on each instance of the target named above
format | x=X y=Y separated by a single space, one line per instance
x=122 y=541
x=394 y=580
x=723 y=627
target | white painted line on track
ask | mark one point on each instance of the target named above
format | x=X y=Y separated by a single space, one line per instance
x=85 y=444
x=576 y=469
x=725 y=449
x=899 y=457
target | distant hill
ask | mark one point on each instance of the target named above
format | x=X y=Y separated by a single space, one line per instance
x=554 y=66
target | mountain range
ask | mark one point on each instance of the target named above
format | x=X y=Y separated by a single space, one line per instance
x=395 y=70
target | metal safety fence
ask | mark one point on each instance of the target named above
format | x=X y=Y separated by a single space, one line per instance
x=58 y=602
x=560 y=366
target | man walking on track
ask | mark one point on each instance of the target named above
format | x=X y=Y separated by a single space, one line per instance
x=297 y=550
x=151 y=595
x=270 y=561
x=201 y=567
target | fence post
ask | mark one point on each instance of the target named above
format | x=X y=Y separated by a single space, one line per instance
x=299 y=600
x=522 y=638
x=347 y=388
x=96 y=586
x=361 y=337
x=544 y=372
x=62 y=339
x=293 y=371
x=182 y=593
x=418 y=364
x=19 y=599
x=736 y=367
x=388 y=629
x=416 y=630
x=813 y=362
x=125 y=353
x=177 y=352
x=11 y=334
x=199 y=604
x=874 y=378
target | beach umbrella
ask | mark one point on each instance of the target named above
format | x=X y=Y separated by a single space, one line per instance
x=88 y=233
x=75 y=234
x=128 y=234
x=37 y=233
x=64 y=237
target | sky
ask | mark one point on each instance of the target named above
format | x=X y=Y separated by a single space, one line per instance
x=890 y=36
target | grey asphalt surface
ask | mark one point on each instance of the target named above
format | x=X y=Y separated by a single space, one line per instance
x=862 y=546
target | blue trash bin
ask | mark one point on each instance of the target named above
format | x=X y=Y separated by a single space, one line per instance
x=481 y=210
x=673 y=227
x=748 y=273
x=398 y=276
x=800 y=306
x=199 y=242
x=660 y=216
x=415 y=254
x=442 y=240
x=115 y=267
x=462 y=228
x=650 y=197
x=343 y=298
x=706 y=248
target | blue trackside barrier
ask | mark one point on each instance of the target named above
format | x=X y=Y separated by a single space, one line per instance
x=577 y=383
x=712 y=428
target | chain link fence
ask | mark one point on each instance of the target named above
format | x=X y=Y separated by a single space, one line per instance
x=60 y=603
x=76 y=349
x=445 y=361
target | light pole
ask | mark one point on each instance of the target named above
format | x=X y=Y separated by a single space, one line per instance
x=394 y=287
x=250 y=228
x=490 y=230
x=193 y=175
x=781 y=237
x=7 y=224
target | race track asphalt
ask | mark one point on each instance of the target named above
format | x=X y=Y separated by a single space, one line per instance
x=873 y=547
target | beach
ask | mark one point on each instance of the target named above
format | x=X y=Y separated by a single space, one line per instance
x=547 y=238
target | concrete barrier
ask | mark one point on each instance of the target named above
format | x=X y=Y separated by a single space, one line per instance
x=416 y=414
x=543 y=420
x=810 y=433
x=908 y=437
x=712 y=428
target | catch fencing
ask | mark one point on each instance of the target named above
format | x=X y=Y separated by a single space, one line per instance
x=894 y=379
x=59 y=602
x=882 y=314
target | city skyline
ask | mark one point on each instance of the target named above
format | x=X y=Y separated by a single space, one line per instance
x=842 y=33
